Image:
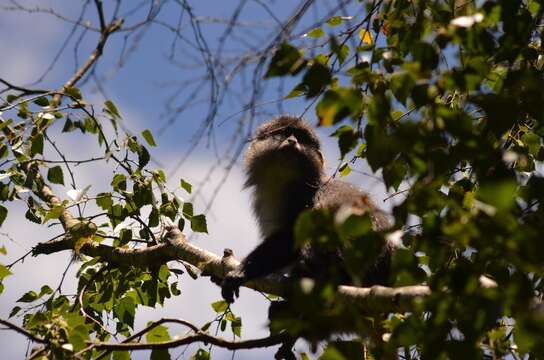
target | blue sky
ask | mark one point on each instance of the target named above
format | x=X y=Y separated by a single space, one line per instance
x=141 y=89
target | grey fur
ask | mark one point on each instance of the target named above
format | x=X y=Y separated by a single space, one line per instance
x=286 y=173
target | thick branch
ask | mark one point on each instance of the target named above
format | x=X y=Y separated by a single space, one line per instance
x=377 y=299
x=23 y=90
x=198 y=337
x=22 y=331
x=176 y=247
x=147 y=329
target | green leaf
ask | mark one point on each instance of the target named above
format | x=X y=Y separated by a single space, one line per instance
x=120 y=355
x=28 y=297
x=119 y=182
x=174 y=287
x=3 y=214
x=316 y=33
x=157 y=334
x=154 y=217
x=41 y=101
x=55 y=175
x=149 y=137
x=339 y=350
x=342 y=53
x=54 y=213
x=322 y=59
x=4 y=152
x=31 y=215
x=4 y=272
x=45 y=290
x=125 y=236
x=336 y=105
x=186 y=186
x=335 y=21
x=112 y=109
x=347 y=139
x=206 y=326
x=532 y=141
x=402 y=85
x=220 y=306
x=316 y=79
x=201 y=354
x=143 y=157
x=14 y=311
x=181 y=224
x=393 y=174
x=198 y=223
x=187 y=210
x=341 y=50
x=160 y=354
x=124 y=310
x=73 y=92
x=164 y=273
x=160 y=176
x=104 y=201
x=297 y=91
x=286 y=60
x=500 y=194
x=344 y=169
x=426 y=55
x=236 y=326
x=37 y=145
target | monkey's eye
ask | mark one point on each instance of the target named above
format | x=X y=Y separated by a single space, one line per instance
x=304 y=138
x=276 y=135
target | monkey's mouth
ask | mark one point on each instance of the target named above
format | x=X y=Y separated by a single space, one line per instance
x=293 y=157
x=289 y=155
x=284 y=164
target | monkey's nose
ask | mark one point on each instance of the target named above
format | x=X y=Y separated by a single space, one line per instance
x=291 y=141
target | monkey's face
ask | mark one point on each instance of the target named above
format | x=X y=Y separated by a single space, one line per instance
x=284 y=150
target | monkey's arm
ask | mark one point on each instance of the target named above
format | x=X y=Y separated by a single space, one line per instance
x=274 y=253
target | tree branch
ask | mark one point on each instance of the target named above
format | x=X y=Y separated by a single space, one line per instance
x=106 y=31
x=376 y=299
x=198 y=337
x=146 y=330
x=25 y=91
x=176 y=247
x=22 y=331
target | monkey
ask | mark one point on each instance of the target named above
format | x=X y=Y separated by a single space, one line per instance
x=285 y=169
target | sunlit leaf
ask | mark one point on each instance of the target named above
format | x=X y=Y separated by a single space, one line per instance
x=316 y=33
x=149 y=137
x=366 y=37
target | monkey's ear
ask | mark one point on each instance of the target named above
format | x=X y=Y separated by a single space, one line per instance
x=321 y=157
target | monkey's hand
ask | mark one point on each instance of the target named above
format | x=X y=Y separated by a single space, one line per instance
x=230 y=287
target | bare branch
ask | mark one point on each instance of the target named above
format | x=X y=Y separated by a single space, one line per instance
x=148 y=329
x=22 y=331
x=91 y=60
x=100 y=11
x=25 y=91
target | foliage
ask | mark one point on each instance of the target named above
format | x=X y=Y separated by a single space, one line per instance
x=443 y=99
x=131 y=214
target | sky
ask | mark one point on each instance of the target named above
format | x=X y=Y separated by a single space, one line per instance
x=139 y=74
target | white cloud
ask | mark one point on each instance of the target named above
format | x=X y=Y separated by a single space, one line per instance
x=27 y=52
